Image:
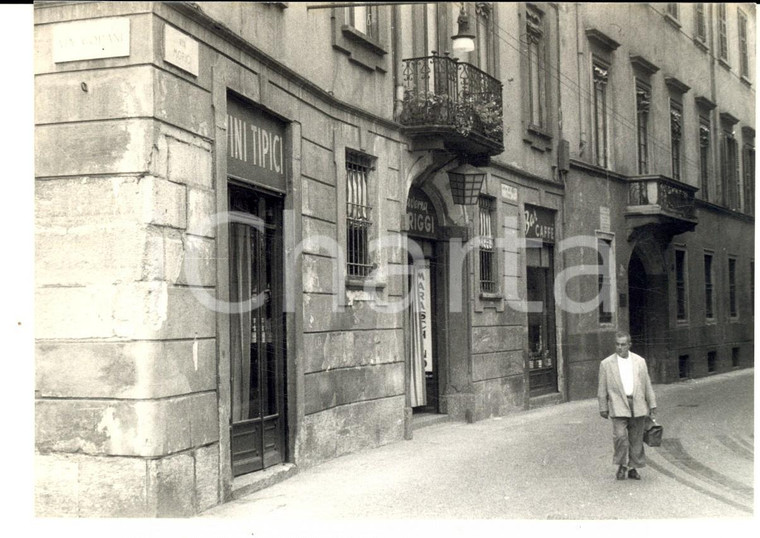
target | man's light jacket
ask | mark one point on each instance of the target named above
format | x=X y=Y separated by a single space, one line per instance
x=612 y=397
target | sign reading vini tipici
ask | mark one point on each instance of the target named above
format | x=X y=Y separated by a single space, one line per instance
x=255 y=145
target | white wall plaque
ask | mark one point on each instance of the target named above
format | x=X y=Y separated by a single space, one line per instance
x=90 y=40
x=180 y=50
x=508 y=192
x=604 y=219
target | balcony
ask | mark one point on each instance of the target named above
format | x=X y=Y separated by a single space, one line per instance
x=452 y=105
x=661 y=204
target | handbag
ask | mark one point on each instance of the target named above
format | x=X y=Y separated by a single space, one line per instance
x=652 y=432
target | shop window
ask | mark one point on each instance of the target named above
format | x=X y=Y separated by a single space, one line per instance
x=681 y=297
x=700 y=29
x=709 y=309
x=358 y=214
x=676 y=123
x=606 y=267
x=733 y=310
x=722 y=33
x=541 y=325
x=643 y=100
x=600 y=131
x=704 y=156
x=487 y=256
x=735 y=359
x=743 y=53
x=712 y=361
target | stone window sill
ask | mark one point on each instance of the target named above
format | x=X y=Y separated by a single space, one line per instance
x=355 y=283
x=490 y=296
x=363 y=39
x=724 y=64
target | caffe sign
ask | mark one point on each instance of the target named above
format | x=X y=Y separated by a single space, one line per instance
x=420 y=215
x=539 y=223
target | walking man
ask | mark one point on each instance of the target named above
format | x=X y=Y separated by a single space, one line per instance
x=626 y=396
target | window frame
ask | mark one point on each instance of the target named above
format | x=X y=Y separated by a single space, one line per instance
x=487 y=266
x=700 y=23
x=643 y=107
x=748 y=167
x=676 y=138
x=359 y=223
x=603 y=317
x=709 y=278
x=733 y=303
x=705 y=147
x=600 y=72
x=681 y=281
x=722 y=34
x=743 y=47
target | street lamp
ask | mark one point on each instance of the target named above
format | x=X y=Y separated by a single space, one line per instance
x=465 y=181
x=464 y=41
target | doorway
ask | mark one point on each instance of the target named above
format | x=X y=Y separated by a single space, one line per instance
x=257 y=331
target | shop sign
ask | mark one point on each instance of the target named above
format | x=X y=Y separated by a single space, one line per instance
x=180 y=50
x=422 y=340
x=539 y=223
x=420 y=215
x=508 y=192
x=90 y=40
x=255 y=145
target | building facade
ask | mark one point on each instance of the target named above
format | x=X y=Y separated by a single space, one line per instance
x=253 y=252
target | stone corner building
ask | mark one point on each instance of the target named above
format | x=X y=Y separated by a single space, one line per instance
x=250 y=257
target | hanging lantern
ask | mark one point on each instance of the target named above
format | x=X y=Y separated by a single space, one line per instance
x=464 y=41
x=465 y=181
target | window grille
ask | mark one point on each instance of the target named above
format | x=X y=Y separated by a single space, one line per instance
x=358 y=214
x=732 y=309
x=487 y=258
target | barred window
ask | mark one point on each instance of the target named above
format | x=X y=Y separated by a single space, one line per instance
x=680 y=285
x=643 y=100
x=487 y=257
x=709 y=311
x=358 y=214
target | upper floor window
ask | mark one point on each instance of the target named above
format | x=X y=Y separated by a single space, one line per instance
x=600 y=77
x=748 y=156
x=704 y=156
x=643 y=100
x=366 y=20
x=536 y=43
x=729 y=164
x=700 y=28
x=485 y=47
x=722 y=33
x=673 y=9
x=743 y=53
x=676 y=123
x=487 y=256
x=358 y=214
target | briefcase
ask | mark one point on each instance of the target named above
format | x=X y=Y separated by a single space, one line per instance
x=652 y=432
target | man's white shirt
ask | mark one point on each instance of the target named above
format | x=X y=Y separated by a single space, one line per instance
x=625 y=366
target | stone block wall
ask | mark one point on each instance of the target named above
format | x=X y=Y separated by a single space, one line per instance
x=126 y=414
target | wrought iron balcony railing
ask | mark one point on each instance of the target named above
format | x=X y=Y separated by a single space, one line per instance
x=662 y=194
x=443 y=95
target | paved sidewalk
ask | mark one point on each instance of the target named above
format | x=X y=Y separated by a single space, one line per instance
x=544 y=464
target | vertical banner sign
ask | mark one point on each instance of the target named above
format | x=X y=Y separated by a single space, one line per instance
x=422 y=341
x=255 y=146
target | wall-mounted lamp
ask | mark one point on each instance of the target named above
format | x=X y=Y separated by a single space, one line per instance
x=464 y=41
x=465 y=181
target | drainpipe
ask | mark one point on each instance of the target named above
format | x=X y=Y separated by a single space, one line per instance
x=398 y=86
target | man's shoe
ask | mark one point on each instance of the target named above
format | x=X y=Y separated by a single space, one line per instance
x=621 y=473
x=634 y=474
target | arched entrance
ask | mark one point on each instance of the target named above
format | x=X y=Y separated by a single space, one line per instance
x=648 y=311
